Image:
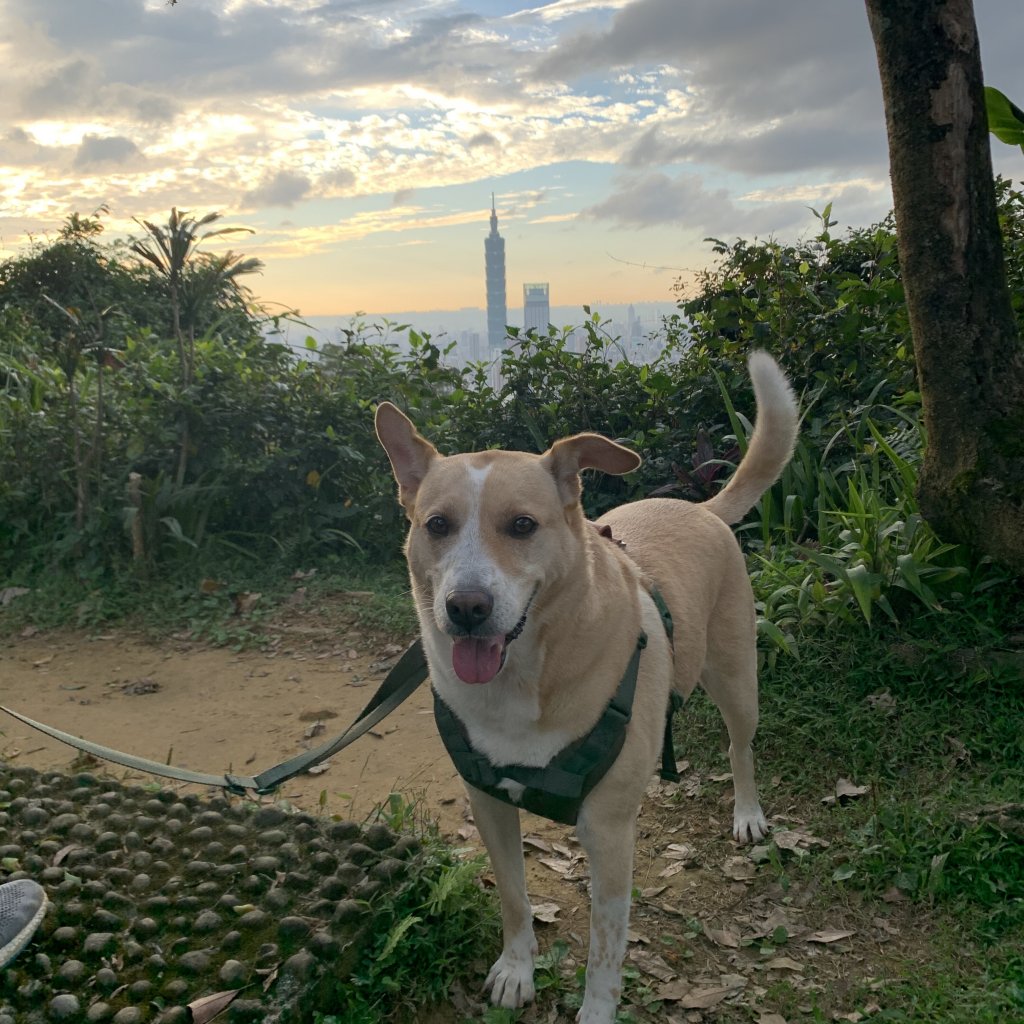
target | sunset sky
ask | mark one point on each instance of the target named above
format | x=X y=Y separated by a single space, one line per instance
x=362 y=139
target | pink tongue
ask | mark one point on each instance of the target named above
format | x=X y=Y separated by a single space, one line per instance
x=476 y=659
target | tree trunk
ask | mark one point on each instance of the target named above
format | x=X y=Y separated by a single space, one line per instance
x=966 y=341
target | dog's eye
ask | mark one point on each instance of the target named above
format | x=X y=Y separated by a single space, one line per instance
x=438 y=526
x=523 y=526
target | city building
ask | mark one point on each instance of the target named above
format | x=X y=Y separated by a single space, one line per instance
x=536 y=307
x=497 y=313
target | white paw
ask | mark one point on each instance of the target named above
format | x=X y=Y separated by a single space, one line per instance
x=749 y=826
x=597 y=1011
x=510 y=982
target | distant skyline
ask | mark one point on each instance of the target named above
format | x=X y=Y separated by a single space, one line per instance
x=361 y=139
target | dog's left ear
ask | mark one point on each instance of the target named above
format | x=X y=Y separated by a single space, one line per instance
x=566 y=458
x=410 y=453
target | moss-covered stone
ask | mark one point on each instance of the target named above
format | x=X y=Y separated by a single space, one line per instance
x=159 y=899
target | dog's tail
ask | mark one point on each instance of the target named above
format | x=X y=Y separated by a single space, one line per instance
x=771 y=445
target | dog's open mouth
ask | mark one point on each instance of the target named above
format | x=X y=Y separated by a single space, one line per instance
x=478 y=659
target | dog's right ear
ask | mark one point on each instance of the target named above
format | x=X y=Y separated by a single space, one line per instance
x=409 y=452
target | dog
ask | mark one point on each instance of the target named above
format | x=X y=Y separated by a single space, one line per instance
x=529 y=618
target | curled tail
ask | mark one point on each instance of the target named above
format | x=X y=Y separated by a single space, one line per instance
x=771 y=445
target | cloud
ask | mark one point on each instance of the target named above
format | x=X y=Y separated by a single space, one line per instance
x=657 y=199
x=19 y=148
x=403 y=197
x=340 y=180
x=284 y=188
x=98 y=150
x=482 y=139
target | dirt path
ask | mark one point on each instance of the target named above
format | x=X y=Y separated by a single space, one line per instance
x=701 y=905
x=213 y=710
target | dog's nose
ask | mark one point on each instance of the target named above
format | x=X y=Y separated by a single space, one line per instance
x=468 y=608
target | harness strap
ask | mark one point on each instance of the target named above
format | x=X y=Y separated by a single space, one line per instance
x=557 y=790
x=401 y=681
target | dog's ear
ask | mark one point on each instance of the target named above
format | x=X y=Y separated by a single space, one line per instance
x=566 y=458
x=410 y=453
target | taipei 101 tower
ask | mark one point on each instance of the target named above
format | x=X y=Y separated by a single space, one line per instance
x=494 y=253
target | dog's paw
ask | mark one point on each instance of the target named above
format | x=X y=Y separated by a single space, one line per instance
x=510 y=982
x=597 y=1011
x=749 y=826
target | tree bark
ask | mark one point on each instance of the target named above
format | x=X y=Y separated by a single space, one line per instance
x=966 y=340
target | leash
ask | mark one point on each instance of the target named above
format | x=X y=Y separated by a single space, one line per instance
x=400 y=682
x=587 y=761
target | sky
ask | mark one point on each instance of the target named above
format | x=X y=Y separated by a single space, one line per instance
x=361 y=140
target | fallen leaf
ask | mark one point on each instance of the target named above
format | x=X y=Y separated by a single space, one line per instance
x=314 y=730
x=318 y=769
x=672 y=869
x=828 y=935
x=680 y=851
x=845 y=791
x=724 y=777
x=317 y=714
x=140 y=687
x=796 y=841
x=561 y=867
x=652 y=891
x=8 y=594
x=673 y=991
x=722 y=937
x=739 y=869
x=245 y=602
x=783 y=963
x=702 y=998
x=652 y=964
x=547 y=913
x=206 y=1008
x=58 y=857
x=536 y=842
x=883 y=700
x=42 y=661
x=771 y=1018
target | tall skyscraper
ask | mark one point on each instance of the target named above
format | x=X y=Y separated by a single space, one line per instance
x=494 y=256
x=536 y=307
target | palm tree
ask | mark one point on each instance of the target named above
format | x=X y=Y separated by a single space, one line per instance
x=196 y=281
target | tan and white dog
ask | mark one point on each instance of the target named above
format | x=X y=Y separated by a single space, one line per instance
x=528 y=620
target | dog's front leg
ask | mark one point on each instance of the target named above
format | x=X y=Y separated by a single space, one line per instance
x=510 y=982
x=608 y=837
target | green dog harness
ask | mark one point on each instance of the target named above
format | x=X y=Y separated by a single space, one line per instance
x=557 y=790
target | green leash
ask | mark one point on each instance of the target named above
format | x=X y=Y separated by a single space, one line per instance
x=561 y=785
x=401 y=681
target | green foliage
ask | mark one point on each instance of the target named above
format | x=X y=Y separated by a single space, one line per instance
x=141 y=409
x=1005 y=118
x=427 y=931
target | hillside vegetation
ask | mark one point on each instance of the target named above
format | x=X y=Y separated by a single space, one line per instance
x=163 y=455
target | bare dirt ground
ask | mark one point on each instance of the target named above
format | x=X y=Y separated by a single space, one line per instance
x=715 y=934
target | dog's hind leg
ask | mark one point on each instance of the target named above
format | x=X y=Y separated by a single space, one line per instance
x=510 y=981
x=730 y=679
x=608 y=835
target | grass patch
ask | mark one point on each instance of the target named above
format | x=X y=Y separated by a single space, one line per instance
x=233 y=602
x=428 y=933
x=928 y=715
